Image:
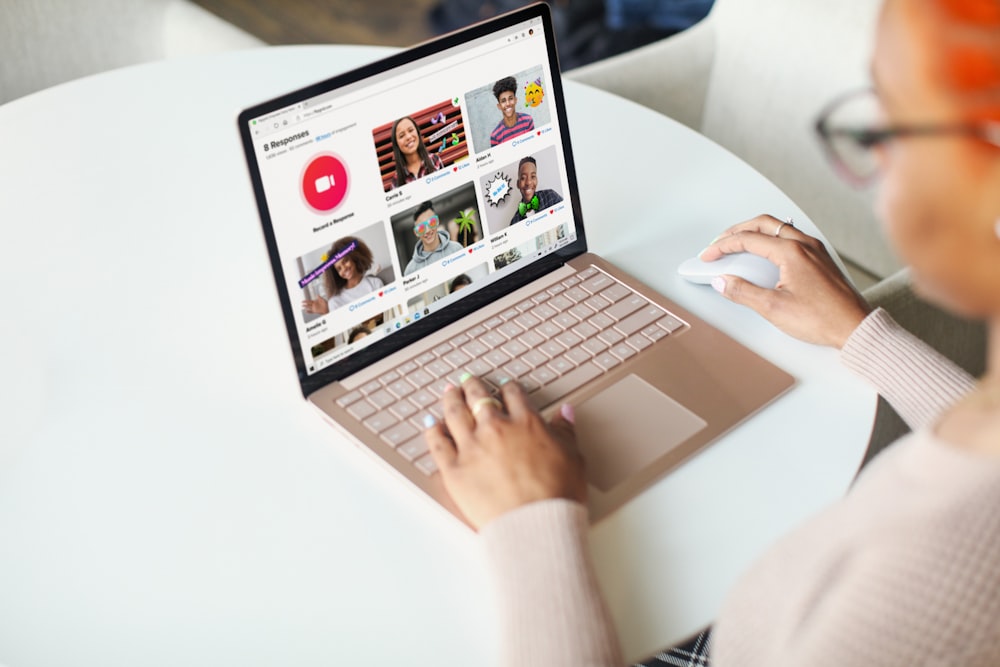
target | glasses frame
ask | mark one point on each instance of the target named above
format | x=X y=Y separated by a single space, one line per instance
x=868 y=138
x=428 y=224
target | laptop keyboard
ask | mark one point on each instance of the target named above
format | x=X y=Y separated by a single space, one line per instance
x=552 y=343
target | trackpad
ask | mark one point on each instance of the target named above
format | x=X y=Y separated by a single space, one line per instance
x=627 y=426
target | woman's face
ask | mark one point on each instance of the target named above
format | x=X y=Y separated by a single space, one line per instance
x=940 y=196
x=346 y=269
x=407 y=137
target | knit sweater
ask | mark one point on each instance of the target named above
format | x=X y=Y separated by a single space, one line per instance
x=903 y=571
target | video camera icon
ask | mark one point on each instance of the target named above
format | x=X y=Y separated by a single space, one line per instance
x=324 y=183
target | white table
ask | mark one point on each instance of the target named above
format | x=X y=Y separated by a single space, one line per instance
x=167 y=497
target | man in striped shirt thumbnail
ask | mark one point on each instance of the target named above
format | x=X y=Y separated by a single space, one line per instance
x=512 y=123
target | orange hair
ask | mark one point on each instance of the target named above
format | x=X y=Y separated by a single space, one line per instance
x=970 y=53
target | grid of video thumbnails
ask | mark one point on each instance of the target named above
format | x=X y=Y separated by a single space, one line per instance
x=467 y=186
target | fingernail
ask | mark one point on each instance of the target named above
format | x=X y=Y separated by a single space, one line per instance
x=719 y=284
x=504 y=381
x=429 y=421
x=715 y=239
x=567 y=412
x=465 y=377
x=448 y=387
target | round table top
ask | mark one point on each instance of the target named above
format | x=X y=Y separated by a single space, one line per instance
x=168 y=497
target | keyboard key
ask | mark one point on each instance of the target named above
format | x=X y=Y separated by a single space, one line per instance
x=510 y=330
x=404 y=409
x=623 y=351
x=457 y=358
x=571 y=281
x=361 y=409
x=565 y=320
x=585 y=330
x=425 y=358
x=551 y=348
x=413 y=449
x=598 y=283
x=625 y=307
x=583 y=274
x=516 y=369
x=438 y=368
x=616 y=292
x=496 y=358
x=556 y=289
x=638 y=341
x=561 y=365
x=566 y=384
x=654 y=333
x=389 y=378
x=670 y=323
x=401 y=388
x=370 y=387
x=478 y=367
x=407 y=368
x=578 y=355
x=535 y=358
x=380 y=421
x=382 y=399
x=597 y=303
x=595 y=346
x=560 y=303
x=581 y=311
x=577 y=294
x=548 y=329
x=509 y=314
x=475 y=349
x=423 y=398
x=493 y=339
x=399 y=434
x=420 y=378
x=544 y=312
x=640 y=320
x=527 y=320
x=610 y=336
x=530 y=339
x=514 y=348
x=426 y=465
x=543 y=375
x=568 y=339
x=349 y=397
x=442 y=349
x=493 y=322
x=606 y=360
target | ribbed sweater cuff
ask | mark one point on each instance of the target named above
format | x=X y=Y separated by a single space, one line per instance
x=916 y=379
x=551 y=608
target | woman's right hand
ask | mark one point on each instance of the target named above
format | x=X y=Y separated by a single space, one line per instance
x=317 y=306
x=813 y=301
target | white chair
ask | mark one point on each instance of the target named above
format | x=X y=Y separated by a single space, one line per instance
x=752 y=76
x=47 y=42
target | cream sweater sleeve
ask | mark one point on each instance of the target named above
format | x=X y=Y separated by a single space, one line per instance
x=551 y=609
x=917 y=381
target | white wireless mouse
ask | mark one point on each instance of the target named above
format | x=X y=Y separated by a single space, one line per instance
x=750 y=267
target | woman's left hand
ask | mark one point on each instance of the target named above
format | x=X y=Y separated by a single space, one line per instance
x=495 y=457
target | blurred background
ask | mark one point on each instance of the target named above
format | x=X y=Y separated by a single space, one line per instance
x=587 y=30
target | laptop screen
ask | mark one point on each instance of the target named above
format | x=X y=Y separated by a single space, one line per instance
x=412 y=187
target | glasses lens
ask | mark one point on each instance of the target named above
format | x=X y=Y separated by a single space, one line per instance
x=425 y=226
x=846 y=129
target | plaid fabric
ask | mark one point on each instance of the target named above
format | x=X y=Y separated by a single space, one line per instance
x=693 y=653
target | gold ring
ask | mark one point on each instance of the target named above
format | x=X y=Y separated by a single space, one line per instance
x=483 y=402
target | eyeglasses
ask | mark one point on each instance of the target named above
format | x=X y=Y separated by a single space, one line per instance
x=849 y=131
x=424 y=226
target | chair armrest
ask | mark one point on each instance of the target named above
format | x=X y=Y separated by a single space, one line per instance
x=670 y=76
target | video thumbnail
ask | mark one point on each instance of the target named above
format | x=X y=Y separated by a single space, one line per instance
x=344 y=272
x=509 y=107
x=414 y=146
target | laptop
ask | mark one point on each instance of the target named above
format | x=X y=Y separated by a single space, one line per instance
x=422 y=220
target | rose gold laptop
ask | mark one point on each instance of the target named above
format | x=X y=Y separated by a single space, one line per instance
x=422 y=219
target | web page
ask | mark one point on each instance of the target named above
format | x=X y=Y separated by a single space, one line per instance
x=394 y=198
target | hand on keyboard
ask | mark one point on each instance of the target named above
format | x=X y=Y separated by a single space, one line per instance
x=497 y=456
